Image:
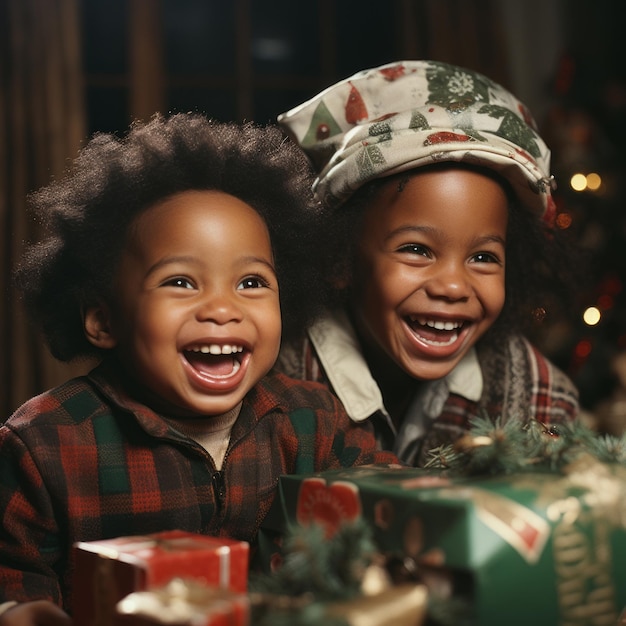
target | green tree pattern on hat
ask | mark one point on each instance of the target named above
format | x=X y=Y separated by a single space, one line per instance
x=369 y=161
x=323 y=125
x=418 y=121
x=513 y=128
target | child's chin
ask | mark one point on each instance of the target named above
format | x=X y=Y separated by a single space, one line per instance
x=430 y=371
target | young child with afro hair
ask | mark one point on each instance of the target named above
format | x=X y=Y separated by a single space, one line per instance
x=177 y=257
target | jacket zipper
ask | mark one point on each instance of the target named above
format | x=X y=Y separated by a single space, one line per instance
x=219 y=490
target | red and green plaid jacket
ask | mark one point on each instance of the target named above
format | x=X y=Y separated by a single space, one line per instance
x=85 y=461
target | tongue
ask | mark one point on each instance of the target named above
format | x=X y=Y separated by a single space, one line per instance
x=213 y=364
x=431 y=334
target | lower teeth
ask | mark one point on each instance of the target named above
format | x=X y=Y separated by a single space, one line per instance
x=448 y=342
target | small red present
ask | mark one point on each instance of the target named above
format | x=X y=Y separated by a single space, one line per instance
x=108 y=570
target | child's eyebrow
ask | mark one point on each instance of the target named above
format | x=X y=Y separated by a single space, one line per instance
x=255 y=259
x=171 y=260
x=494 y=238
x=429 y=229
x=409 y=229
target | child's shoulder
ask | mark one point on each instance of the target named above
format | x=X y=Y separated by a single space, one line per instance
x=519 y=352
x=517 y=361
x=69 y=402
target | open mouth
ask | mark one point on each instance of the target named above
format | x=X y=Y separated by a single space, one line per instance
x=215 y=360
x=435 y=332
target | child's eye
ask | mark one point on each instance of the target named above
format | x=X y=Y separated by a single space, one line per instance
x=485 y=257
x=415 y=248
x=252 y=282
x=179 y=281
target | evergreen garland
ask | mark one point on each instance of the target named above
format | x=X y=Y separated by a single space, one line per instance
x=494 y=446
x=315 y=569
x=329 y=567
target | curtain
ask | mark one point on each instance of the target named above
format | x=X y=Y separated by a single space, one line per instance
x=43 y=123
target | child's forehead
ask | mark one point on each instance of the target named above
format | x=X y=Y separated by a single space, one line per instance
x=200 y=205
x=431 y=178
x=442 y=196
x=196 y=216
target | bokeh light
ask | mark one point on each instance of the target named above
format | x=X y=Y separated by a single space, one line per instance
x=592 y=316
x=578 y=182
x=586 y=182
x=594 y=181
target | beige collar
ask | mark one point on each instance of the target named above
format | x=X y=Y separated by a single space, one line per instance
x=338 y=350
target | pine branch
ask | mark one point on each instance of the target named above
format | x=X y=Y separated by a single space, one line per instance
x=329 y=568
x=493 y=447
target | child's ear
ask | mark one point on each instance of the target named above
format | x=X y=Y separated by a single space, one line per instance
x=97 y=326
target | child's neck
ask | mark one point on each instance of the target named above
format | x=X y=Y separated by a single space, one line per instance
x=397 y=387
x=211 y=432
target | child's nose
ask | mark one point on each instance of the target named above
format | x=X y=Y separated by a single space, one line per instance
x=219 y=307
x=449 y=281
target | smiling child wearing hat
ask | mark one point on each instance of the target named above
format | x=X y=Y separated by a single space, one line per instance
x=438 y=244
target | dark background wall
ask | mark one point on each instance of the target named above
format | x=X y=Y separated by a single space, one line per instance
x=253 y=59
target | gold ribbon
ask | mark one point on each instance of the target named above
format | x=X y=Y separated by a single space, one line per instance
x=402 y=605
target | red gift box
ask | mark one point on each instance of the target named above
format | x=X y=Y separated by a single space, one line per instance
x=108 y=570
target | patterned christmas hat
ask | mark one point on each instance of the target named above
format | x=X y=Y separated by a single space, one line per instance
x=408 y=114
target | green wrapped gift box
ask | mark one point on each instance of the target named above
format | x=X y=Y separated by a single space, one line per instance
x=529 y=548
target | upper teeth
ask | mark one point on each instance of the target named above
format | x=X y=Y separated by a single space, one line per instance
x=215 y=348
x=438 y=324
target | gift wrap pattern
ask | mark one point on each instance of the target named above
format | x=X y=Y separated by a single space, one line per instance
x=530 y=548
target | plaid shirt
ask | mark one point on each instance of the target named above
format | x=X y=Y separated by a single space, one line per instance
x=518 y=382
x=85 y=461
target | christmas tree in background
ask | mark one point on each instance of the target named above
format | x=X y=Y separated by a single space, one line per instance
x=586 y=132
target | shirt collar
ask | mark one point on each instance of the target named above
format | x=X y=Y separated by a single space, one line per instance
x=338 y=350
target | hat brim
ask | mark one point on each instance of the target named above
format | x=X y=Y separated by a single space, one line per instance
x=362 y=158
